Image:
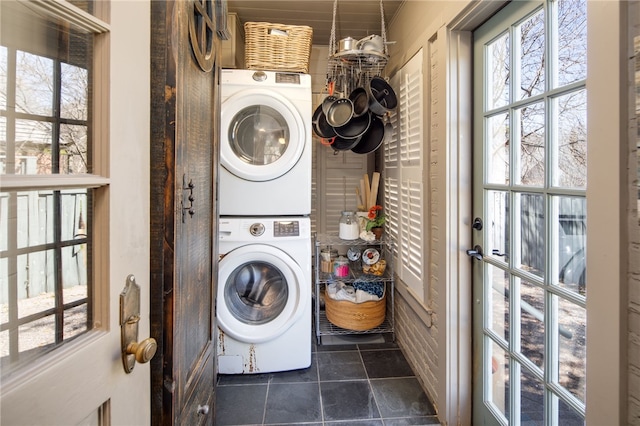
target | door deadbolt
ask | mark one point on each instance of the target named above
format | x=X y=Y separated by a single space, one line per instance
x=133 y=351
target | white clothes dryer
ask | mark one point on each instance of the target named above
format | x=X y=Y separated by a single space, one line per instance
x=265 y=143
x=263 y=304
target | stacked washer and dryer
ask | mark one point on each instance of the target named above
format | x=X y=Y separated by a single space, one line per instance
x=263 y=306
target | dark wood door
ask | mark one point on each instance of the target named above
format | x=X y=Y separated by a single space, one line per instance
x=185 y=72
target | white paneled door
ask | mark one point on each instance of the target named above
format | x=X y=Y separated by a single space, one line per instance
x=529 y=233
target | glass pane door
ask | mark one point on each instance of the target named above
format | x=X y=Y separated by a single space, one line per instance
x=530 y=186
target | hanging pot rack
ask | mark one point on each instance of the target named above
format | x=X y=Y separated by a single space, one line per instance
x=349 y=69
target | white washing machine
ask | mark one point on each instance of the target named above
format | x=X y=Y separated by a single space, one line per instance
x=265 y=143
x=263 y=304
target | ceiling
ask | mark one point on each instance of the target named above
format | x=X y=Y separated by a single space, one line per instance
x=354 y=18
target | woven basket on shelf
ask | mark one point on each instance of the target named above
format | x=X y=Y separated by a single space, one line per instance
x=277 y=47
x=355 y=316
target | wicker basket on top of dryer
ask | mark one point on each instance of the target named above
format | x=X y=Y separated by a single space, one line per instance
x=354 y=114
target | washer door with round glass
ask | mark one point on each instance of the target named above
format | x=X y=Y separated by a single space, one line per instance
x=262 y=137
x=260 y=293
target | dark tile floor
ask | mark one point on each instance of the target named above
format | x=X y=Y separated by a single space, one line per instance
x=354 y=384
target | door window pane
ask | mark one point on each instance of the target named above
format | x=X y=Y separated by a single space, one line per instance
x=499 y=302
x=532 y=325
x=569 y=246
x=44 y=293
x=571 y=139
x=532 y=45
x=572 y=356
x=567 y=416
x=532 y=233
x=497 y=227
x=498 y=63
x=531 y=399
x=572 y=41
x=46 y=77
x=498 y=149
x=531 y=156
x=498 y=381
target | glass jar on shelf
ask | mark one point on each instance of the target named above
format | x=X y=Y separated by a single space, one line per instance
x=349 y=227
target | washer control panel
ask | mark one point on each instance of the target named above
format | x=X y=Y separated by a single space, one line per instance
x=289 y=228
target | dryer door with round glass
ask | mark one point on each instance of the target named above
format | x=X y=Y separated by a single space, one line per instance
x=260 y=293
x=263 y=135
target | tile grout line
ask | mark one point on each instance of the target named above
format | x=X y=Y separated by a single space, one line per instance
x=369 y=384
x=266 y=398
x=319 y=389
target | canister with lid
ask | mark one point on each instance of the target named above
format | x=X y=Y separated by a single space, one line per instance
x=349 y=228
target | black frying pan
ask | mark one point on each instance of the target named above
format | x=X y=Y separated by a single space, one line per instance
x=345 y=144
x=356 y=126
x=372 y=139
x=321 y=128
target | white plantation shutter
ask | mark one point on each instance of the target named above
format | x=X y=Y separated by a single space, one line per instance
x=404 y=190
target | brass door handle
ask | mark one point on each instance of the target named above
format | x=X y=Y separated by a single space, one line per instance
x=133 y=351
x=144 y=350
